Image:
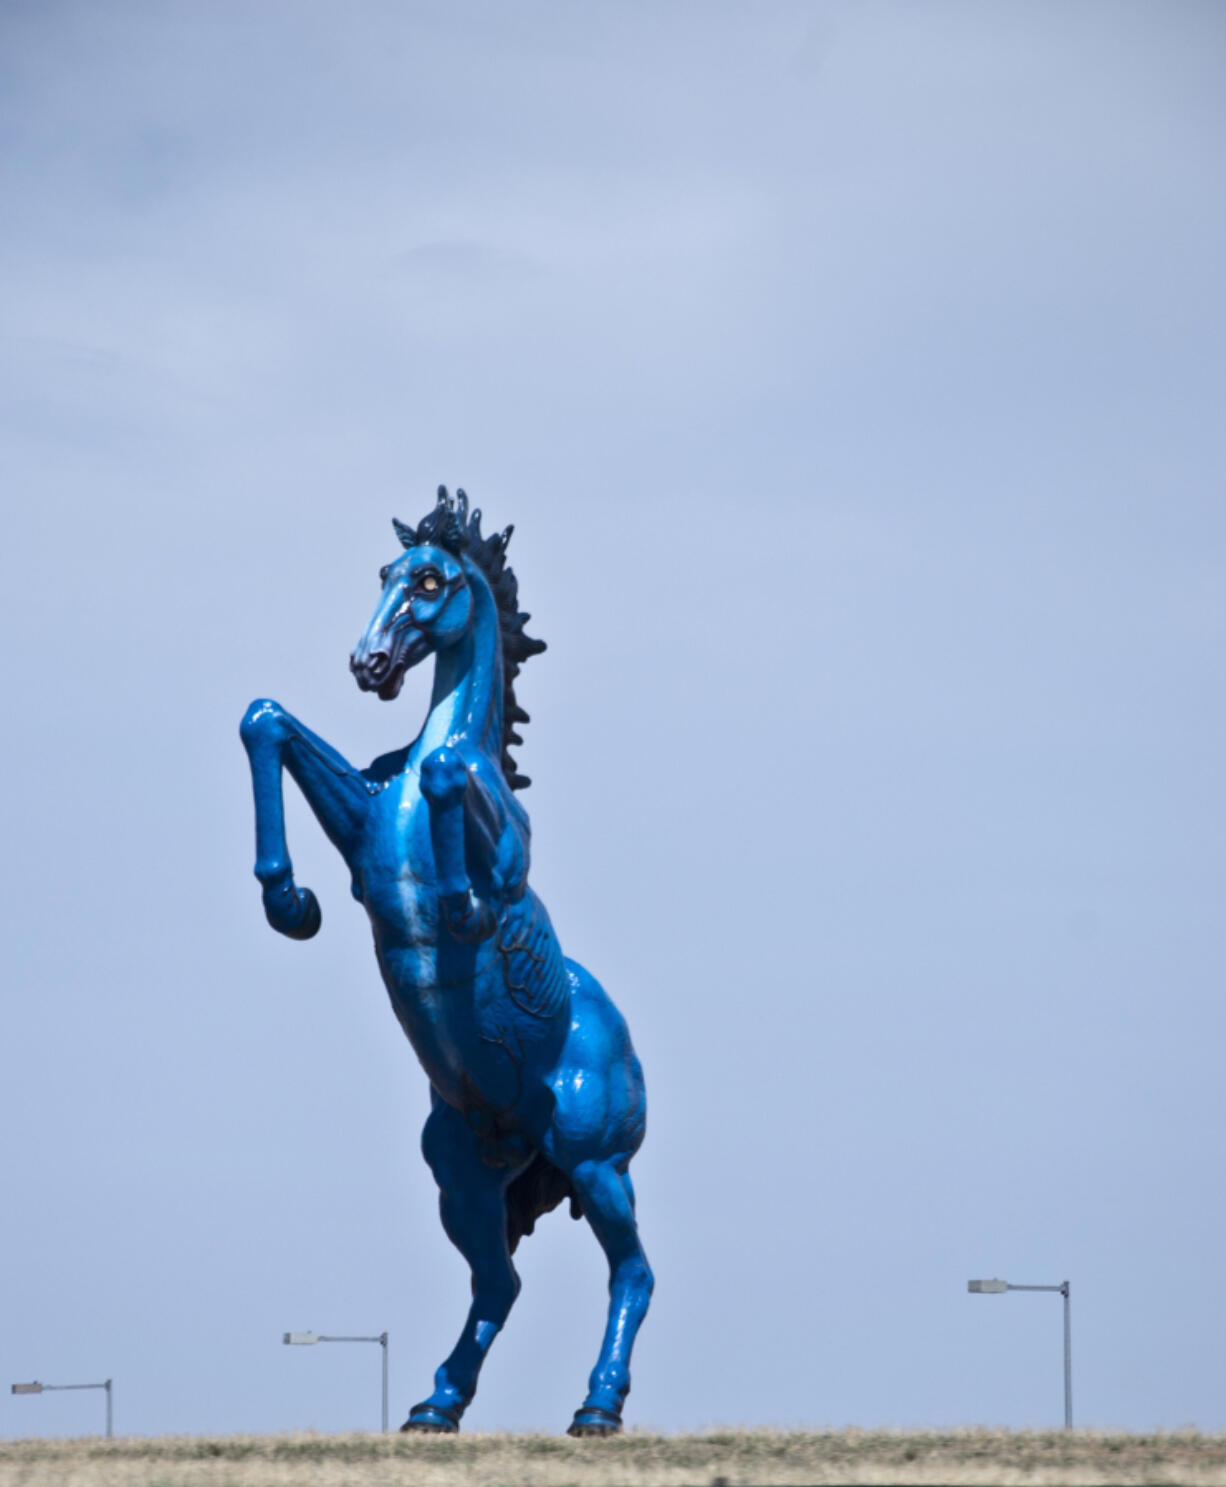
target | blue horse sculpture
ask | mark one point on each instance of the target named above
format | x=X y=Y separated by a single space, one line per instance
x=536 y=1093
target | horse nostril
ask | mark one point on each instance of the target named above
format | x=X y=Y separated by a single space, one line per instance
x=377 y=664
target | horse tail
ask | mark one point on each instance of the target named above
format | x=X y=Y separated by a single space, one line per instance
x=538 y=1189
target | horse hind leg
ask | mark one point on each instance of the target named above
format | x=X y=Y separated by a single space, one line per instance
x=472 y=1204
x=607 y=1199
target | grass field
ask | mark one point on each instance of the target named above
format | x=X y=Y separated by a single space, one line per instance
x=762 y=1457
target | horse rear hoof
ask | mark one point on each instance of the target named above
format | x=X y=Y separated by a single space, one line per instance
x=425 y=1419
x=594 y=1422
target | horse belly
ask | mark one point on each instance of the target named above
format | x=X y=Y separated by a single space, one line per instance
x=487 y=1041
x=482 y=1056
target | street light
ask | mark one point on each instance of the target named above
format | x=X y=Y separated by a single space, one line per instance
x=308 y=1339
x=995 y=1287
x=37 y=1388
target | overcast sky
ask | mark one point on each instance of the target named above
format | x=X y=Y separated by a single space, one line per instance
x=853 y=375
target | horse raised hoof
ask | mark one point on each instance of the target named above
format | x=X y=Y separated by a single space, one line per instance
x=428 y=1419
x=594 y=1422
x=293 y=911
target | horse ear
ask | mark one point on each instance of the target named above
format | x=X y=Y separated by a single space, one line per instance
x=443 y=498
x=461 y=497
x=408 y=537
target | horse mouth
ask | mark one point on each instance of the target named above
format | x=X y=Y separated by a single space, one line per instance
x=378 y=672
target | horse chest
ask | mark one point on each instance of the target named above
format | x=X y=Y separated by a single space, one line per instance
x=396 y=871
x=483 y=1017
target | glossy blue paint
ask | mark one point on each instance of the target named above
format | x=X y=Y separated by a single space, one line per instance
x=537 y=1095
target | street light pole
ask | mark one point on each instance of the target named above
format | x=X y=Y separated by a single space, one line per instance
x=996 y=1287
x=307 y=1339
x=37 y=1388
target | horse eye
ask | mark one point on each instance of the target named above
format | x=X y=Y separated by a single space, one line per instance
x=430 y=583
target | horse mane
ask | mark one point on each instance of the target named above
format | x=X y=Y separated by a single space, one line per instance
x=450 y=526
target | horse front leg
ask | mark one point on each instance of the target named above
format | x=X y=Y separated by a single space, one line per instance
x=445 y=783
x=335 y=791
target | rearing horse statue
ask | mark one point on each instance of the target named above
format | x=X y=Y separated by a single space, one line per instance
x=536 y=1093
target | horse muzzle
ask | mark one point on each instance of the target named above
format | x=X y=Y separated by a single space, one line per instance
x=371 y=669
x=381 y=670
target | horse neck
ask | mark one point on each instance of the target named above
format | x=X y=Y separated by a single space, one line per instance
x=466 y=703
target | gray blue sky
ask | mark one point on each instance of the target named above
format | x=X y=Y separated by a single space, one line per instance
x=853 y=375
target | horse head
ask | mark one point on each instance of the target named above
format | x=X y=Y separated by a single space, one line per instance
x=426 y=602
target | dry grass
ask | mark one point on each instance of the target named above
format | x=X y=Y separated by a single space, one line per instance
x=759 y=1457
